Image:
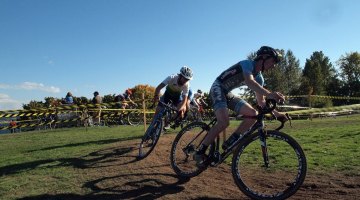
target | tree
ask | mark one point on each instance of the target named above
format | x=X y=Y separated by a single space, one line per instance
x=147 y=90
x=350 y=73
x=34 y=105
x=292 y=74
x=317 y=76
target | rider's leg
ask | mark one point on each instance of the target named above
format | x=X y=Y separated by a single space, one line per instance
x=222 y=116
x=246 y=110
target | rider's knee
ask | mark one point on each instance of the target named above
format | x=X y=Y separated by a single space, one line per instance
x=224 y=123
x=253 y=112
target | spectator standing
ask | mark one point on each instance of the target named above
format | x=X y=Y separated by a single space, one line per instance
x=13 y=126
x=97 y=100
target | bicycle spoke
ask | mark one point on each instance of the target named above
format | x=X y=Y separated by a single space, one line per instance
x=283 y=176
x=184 y=147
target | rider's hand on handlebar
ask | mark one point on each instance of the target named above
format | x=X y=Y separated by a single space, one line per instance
x=280 y=98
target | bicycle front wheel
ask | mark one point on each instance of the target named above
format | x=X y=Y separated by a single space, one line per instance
x=185 y=146
x=283 y=176
x=150 y=139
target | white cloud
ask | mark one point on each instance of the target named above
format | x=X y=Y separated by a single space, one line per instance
x=32 y=86
x=7 y=103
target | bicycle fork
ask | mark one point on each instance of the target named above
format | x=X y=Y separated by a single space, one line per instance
x=262 y=135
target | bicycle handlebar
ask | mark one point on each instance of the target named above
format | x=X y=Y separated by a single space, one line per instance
x=165 y=105
x=270 y=106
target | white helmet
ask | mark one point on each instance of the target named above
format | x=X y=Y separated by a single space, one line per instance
x=186 y=72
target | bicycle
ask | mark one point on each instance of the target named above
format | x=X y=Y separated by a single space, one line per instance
x=134 y=117
x=275 y=173
x=153 y=132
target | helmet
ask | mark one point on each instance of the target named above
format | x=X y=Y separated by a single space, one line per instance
x=186 y=72
x=129 y=91
x=266 y=50
x=69 y=94
x=96 y=93
x=199 y=91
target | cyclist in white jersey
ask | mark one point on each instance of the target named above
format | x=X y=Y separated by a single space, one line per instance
x=246 y=72
x=177 y=85
x=198 y=99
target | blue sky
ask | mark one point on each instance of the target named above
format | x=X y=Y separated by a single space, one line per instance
x=50 y=47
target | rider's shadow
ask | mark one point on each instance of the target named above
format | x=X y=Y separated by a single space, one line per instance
x=138 y=186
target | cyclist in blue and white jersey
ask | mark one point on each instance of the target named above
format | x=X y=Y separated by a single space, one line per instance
x=248 y=72
x=177 y=89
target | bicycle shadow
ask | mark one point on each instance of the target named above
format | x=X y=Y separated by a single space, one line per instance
x=148 y=188
x=96 y=142
x=96 y=159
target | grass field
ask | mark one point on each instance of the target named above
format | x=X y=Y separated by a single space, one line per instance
x=33 y=163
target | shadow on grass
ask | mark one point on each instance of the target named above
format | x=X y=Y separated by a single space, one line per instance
x=95 y=159
x=97 y=142
x=148 y=188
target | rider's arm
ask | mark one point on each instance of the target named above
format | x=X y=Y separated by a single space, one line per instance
x=257 y=88
x=254 y=86
x=157 y=90
x=182 y=107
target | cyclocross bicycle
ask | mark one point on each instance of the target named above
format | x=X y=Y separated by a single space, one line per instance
x=266 y=164
x=151 y=137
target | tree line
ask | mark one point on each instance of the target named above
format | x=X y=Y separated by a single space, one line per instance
x=318 y=77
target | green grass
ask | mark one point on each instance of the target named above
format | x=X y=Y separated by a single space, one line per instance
x=50 y=162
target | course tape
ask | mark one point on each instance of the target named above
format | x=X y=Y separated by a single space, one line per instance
x=40 y=124
x=85 y=106
x=324 y=97
x=330 y=109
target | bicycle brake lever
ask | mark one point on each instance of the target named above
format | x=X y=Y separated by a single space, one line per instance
x=289 y=118
x=283 y=122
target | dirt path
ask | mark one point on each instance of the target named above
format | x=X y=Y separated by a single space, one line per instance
x=115 y=174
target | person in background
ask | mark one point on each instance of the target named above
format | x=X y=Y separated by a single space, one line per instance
x=13 y=126
x=98 y=101
x=198 y=99
x=124 y=99
x=69 y=98
x=177 y=90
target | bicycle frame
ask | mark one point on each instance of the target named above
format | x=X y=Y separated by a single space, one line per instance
x=217 y=158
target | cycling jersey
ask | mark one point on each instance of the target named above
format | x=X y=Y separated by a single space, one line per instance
x=173 y=89
x=230 y=79
x=234 y=76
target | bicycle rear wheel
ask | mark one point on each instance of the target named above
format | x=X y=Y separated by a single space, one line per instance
x=134 y=118
x=284 y=175
x=184 y=147
x=150 y=139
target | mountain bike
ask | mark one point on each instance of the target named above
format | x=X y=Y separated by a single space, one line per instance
x=266 y=164
x=167 y=114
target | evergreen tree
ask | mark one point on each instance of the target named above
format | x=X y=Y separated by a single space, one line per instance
x=317 y=75
x=350 y=74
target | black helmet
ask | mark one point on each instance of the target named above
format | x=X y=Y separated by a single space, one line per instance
x=266 y=50
x=199 y=91
x=96 y=93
